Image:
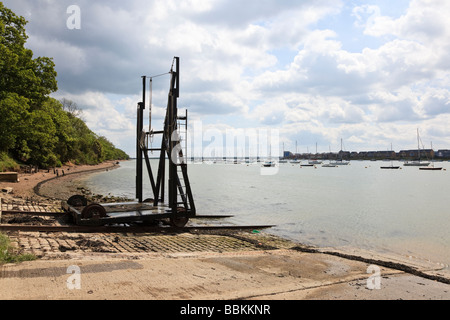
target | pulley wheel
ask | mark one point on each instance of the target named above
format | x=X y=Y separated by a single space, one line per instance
x=179 y=222
x=77 y=201
x=93 y=211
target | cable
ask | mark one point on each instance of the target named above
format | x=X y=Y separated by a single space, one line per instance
x=150 y=108
x=159 y=75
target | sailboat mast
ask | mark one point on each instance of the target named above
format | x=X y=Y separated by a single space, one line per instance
x=418 y=143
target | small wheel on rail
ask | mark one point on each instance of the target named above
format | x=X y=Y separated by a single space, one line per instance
x=149 y=201
x=181 y=221
x=93 y=211
x=77 y=201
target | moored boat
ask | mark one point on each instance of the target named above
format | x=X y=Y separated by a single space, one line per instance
x=268 y=164
x=391 y=167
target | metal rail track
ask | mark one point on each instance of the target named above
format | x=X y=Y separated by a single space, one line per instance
x=62 y=213
x=110 y=229
x=123 y=229
x=120 y=228
x=34 y=213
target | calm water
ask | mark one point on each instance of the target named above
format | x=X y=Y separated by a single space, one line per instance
x=403 y=211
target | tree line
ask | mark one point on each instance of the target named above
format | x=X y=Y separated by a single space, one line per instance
x=35 y=128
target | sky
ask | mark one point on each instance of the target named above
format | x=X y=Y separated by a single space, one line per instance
x=367 y=73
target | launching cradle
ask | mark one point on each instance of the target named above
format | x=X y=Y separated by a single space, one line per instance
x=180 y=206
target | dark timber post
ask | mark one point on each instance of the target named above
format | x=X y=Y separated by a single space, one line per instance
x=139 y=153
x=172 y=115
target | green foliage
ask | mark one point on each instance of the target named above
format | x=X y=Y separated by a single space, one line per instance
x=9 y=255
x=7 y=163
x=34 y=128
x=19 y=72
x=111 y=152
x=88 y=148
x=14 y=120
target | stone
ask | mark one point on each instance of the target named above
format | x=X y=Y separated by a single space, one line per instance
x=7 y=190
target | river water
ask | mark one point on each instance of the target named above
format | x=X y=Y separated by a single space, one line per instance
x=404 y=212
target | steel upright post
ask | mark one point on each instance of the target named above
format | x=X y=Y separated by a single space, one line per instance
x=139 y=153
x=172 y=115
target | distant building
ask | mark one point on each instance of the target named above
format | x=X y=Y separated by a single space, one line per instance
x=354 y=155
x=373 y=155
x=442 y=154
x=385 y=155
x=287 y=154
x=344 y=155
x=414 y=154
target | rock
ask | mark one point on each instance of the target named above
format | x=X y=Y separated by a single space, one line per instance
x=7 y=190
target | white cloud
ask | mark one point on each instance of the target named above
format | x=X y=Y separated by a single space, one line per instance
x=230 y=65
x=370 y=19
x=436 y=102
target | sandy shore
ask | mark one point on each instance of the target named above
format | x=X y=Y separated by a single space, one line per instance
x=47 y=184
x=244 y=266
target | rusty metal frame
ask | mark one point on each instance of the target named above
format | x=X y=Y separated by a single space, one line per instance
x=180 y=206
x=170 y=147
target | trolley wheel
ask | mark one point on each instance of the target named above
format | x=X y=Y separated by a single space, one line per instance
x=179 y=222
x=93 y=211
x=77 y=201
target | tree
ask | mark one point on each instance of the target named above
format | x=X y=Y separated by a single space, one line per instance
x=64 y=136
x=13 y=120
x=25 y=84
x=71 y=107
x=35 y=128
x=42 y=138
x=31 y=78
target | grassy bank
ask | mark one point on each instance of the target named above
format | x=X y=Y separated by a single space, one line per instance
x=7 y=163
x=9 y=255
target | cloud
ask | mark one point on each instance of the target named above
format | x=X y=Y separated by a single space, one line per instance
x=232 y=72
x=436 y=102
